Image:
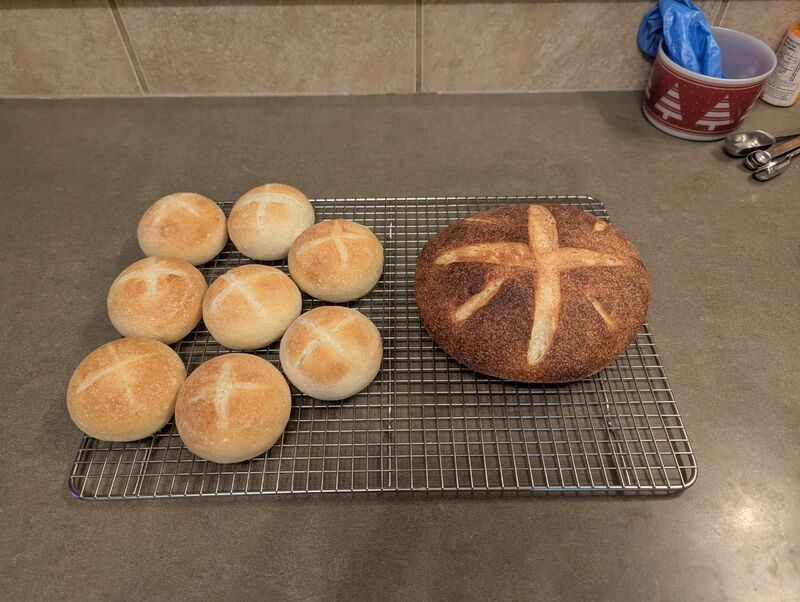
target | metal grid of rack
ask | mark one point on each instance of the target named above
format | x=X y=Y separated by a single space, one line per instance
x=425 y=423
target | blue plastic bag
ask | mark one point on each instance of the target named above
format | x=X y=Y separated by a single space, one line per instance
x=686 y=35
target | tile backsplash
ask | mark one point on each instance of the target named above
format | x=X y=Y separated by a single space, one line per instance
x=232 y=47
x=293 y=48
x=62 y=49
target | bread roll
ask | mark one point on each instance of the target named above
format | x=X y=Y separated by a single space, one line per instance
x=266 y=220
x=331 y=352
x=232 y=408
x=183 y=226
x=157 y=297
x=533 y=293
x=126 y=389
x=250 y=306
x=336 y=260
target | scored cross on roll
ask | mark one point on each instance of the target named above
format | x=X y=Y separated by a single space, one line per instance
x=126 y=389
x=331 y=352
x=157 y=297
x=534 y=293
x=267 y=219
x=336 y=260
x=232 y=408
x=250 y=306
x=185 y=226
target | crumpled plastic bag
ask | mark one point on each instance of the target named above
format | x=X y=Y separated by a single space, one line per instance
x=686 y=35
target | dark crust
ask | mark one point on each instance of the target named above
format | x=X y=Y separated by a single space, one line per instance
x=494 y=340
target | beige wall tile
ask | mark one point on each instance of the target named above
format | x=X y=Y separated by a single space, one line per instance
x=767 y=20
x=62 y=49
x=534 y=46
x=301 y=47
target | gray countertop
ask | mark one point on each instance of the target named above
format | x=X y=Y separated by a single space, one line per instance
x=724 y=260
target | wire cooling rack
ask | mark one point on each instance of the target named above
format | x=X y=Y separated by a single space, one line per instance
x=425 y=423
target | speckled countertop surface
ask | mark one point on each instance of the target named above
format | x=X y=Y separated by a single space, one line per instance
x=724 y=258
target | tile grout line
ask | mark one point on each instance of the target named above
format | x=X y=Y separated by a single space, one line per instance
x=317 y=94
x=723 y=8
x=129 y=50
x=418 y=46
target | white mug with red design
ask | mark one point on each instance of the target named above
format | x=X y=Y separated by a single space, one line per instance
x=698 y=107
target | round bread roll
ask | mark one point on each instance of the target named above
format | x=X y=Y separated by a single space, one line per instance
x=331 y=352
x=266 y=220
x=336 y=260
x=250 y=306
x=233 y=408
x=183 y=226
x=532 y=293
x=157 y=297
x=126 y=389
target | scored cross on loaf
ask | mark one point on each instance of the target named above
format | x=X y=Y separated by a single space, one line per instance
x=536 y=293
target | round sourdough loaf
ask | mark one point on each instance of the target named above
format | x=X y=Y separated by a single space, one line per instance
x=126 y=389
x=336 y=260
x=533 y=293
x=331 y=352
x=250 y=306
x=266 y=220
x=183 y=226
x=157 y=297
x=232 y=408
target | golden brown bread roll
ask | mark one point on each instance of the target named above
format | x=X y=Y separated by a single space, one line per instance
x=265 y=220
x=336 y=260
x=331 y=352
x=534 y=293
x=183 y=226
x=126 y=389
x=232 y=408
x=157 y=297
x=250 y=306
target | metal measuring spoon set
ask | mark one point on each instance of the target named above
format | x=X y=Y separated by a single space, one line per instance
x=766 y=155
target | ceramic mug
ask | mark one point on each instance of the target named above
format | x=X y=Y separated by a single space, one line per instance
x=688 y=105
